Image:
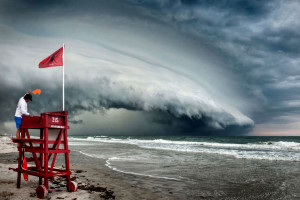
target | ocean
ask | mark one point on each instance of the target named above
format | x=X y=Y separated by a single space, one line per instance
x=203 y=167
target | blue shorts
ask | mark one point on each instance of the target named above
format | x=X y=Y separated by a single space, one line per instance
x=18 y=121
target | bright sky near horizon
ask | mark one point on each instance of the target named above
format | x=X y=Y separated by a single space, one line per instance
x=156 y=67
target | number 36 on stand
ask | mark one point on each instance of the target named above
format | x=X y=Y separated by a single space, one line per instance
x=55 y=119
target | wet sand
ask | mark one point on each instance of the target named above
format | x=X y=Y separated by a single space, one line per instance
x=95 y=181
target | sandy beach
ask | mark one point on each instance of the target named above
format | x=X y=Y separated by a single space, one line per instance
x=8 y=189
x=94 y=182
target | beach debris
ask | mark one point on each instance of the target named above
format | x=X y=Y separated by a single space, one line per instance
x=6 y=195
x=32 y=194
x=82 y=184
x=106 y=194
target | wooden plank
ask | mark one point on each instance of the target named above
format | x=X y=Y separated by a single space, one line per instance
x=61 y=174
x=27 y=140
x=37 y=141
x=33 y=173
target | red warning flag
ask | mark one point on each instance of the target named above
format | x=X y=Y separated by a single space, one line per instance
x=54 y=60
x=25 y=175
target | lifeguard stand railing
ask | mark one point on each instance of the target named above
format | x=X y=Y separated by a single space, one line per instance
x=53 y=140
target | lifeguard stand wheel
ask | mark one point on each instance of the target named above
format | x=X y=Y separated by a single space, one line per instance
x=41 y=192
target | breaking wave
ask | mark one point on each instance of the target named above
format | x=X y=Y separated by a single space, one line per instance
x=270 y=150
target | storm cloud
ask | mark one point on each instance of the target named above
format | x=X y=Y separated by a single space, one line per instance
x=177 y=67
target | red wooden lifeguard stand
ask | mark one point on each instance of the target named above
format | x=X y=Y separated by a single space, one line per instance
x=52 y=141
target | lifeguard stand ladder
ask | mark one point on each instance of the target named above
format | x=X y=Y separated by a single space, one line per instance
x=53 y=140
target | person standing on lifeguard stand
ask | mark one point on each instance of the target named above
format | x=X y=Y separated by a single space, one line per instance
x=22 y=110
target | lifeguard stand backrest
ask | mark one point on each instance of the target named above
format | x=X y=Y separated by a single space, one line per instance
x=58 y=119
x=55 y=121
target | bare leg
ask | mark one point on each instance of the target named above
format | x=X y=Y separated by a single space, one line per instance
x=18 y=133
x=18 y=136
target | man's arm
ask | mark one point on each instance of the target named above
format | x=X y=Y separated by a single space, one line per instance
x=29 y=91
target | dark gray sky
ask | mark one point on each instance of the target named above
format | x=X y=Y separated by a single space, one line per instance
x=156 y=66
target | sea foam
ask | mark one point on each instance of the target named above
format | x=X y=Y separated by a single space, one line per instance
x=279 y=150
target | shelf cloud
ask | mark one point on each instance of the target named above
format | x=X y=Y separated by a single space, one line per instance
x=183 y=67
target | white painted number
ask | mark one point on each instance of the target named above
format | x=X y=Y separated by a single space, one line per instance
x=55 y=119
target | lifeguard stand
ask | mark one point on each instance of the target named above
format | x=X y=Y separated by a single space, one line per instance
x=52 y=141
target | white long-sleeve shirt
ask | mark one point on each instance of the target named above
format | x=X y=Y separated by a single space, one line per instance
x=21 y=108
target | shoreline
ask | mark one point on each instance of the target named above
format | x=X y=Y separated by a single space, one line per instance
x=94 y=179
x=201 y=176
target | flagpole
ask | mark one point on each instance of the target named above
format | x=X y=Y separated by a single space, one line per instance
x=63 y=78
